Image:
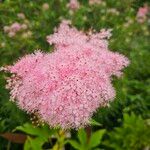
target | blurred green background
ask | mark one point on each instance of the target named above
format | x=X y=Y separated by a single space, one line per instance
x=127 y=120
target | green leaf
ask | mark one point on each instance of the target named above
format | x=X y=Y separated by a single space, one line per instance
x=43 y=131
x=29 y=129
x=82 y=136
x=34 y=143
x=94 y=123
x=74 y=144
x=96 y=138
x=27 y=145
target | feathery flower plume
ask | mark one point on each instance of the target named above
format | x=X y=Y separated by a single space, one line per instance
x=66 y=87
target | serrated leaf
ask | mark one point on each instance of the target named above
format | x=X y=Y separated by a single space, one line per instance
x=29 y=129
x=96 y=138
x=74 y=144
x=43 y=132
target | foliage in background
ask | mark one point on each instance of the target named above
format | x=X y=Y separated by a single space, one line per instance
x=129 y=37
x=133 y=134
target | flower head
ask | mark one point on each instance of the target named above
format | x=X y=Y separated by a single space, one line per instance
x=15 y=27
x=142 y=14
x=67 y=86
x=73 y=5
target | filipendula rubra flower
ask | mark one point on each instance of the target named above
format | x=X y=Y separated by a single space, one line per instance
x=65 y=87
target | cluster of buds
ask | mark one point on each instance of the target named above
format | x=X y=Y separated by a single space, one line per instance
x=14 y=28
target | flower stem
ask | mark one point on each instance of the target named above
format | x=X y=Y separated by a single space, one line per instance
x=88 y=130
x=60 y=141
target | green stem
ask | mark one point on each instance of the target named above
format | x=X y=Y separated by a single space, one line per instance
x=60 y=141
x=8 y=145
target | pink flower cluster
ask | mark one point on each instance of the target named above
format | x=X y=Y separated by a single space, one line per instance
x=67 y=86
x=142 y=14
x=14 y=28
x=73 y=5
